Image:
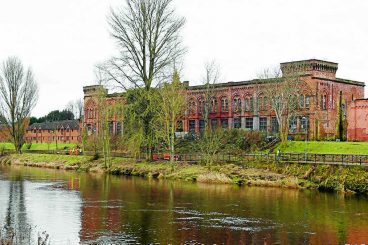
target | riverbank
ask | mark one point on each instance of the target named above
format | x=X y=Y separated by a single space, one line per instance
x=353 y=179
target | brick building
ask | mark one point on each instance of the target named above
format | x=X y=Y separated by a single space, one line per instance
x=358 y=120
x=242 y=105
x=91 y=110
x=67 y=131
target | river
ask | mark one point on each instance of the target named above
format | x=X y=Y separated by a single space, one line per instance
x=82 y=208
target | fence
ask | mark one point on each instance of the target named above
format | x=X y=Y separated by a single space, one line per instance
x=302 y=158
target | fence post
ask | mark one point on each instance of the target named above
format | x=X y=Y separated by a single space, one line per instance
x=315 y=158
x=342 y=159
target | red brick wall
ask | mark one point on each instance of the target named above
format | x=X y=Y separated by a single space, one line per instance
x=358 y=121
x=70 y=136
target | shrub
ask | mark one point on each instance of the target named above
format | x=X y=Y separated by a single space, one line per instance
x=96 y=156
x=28 y=146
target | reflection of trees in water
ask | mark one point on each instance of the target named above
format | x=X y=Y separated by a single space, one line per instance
x=15 y=223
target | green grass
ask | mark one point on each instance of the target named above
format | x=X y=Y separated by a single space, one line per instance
x=325 y=147
x=37 y=146
x=67 y=159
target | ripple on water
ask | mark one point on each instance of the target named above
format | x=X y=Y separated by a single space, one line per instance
x=190 y=218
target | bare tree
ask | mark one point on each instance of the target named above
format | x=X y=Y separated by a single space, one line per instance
x=70 y=107
x=283 y=91
x=18 y=96
x=148 y=36
x=211 y=77
x=172 y=100
x=147 y=33
x=76 y=107
x=210 y=141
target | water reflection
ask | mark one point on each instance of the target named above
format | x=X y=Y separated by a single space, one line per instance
x=87 y=208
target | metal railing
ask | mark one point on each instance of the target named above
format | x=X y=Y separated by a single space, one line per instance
x=301 y=158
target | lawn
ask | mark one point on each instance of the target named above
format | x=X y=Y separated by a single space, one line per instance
x=37 y=146
x=326 y=147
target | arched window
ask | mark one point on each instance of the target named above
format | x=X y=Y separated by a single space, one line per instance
x=237 y=104
x=260 y=103
x=324 y=102
x=248 y=103
x=224 y=104
x=307 y=101
x=201 y=102
x=214 y=105
x=301 y=101
x=191 y=107
x=265 y=103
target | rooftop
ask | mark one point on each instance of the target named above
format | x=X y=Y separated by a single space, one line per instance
x=71 y=124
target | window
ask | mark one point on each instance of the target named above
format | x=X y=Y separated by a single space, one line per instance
x=191 y=126
x=213 y=105
x=259 y=103
x=201 y=105
x=301 y=101
x=179 y=126
x=237 y=122
x=202 y=125
x=237 y=104
x=111 y=128
x=292 y=124
x=249 y=123
x=304 y=123
x=274 y=125
x=247 y=104
x=213 y=124
x=225 y=123
x=265 y=103
x=118 y=128
x=224 y=105
x=263 y=124
x=307 y=101
x=89 y=129
x=323 y=102
x=191 y=106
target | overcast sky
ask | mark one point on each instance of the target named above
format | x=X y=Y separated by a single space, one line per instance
x=62 y=40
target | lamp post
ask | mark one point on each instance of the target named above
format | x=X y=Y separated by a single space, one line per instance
x=306 y=138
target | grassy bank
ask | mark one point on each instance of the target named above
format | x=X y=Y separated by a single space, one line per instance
x=325 y=147
x=37 y=146
x=326 y=177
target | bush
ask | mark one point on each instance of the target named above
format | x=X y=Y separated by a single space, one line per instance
x=233 y=141
x=96 y=156
x=28 y=145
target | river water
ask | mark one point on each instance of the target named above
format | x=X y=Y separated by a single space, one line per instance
x=81 y=208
